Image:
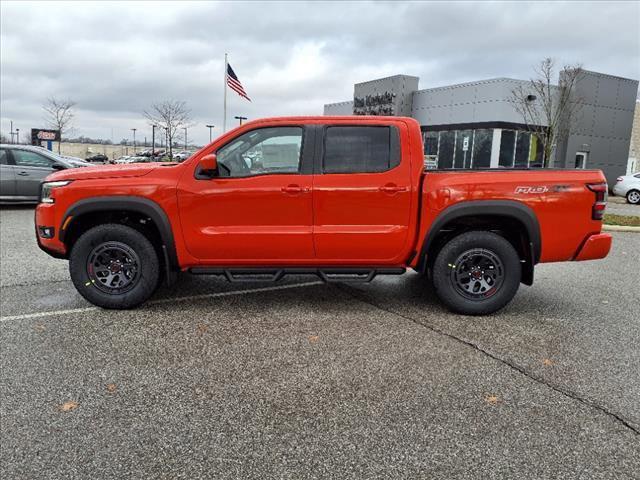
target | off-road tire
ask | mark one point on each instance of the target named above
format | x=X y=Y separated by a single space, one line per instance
x=120 y=238
x=449 y=283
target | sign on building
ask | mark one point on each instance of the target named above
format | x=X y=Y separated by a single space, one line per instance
x=385 y=96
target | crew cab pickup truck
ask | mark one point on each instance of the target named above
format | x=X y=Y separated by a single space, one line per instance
x=345 y=198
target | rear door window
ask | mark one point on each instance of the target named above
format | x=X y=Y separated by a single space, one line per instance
x=362 y=149
x=4 y=160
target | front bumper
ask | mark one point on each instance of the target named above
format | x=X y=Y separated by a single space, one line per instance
x=596 y=246
x=45 y=217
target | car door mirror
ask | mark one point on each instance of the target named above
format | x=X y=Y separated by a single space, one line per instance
x=58 y=166
x=207 y=167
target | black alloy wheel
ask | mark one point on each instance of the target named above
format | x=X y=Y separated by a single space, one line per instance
x=478 y=274
x=113 y=267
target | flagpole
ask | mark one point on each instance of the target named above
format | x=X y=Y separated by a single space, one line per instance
x=224 y=120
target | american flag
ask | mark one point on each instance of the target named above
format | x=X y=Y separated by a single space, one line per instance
x=234 y=83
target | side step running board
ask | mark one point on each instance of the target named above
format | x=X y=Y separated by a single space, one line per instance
x=328 y=274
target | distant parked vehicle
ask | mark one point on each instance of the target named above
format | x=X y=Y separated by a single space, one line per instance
x=24 y=167
x=628 y=186
x=75 y=161
x=183 y=155
x=127 y=159
x=98 y=158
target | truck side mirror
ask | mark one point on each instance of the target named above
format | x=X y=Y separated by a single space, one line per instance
x=207 y=167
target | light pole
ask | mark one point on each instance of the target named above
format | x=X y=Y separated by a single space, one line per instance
x=240 y=118
x=12 y=131
x=185 y=137
x=153 y=141
x=18 y=135
x=210 y=127
x=134 y=139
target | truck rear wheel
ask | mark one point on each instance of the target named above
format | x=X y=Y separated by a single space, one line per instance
x=476 y=273
x=114 y=266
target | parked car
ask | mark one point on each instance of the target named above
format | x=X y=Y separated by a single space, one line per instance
x=183 y=155
x=75 y=161
x=23 y=167
x=350 y=202
x=628 y=186
x=98 y=158
x=127 y=159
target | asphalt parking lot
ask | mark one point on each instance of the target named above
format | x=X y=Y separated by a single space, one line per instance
x=619 y=206
x=306 y=380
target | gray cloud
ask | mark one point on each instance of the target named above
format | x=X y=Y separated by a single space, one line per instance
x=114 y=59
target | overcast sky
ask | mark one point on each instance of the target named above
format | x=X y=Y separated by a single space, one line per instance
x=115 y=59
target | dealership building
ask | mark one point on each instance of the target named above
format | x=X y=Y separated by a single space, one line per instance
x=475 y=125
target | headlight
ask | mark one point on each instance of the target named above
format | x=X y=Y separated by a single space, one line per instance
x=47 y=189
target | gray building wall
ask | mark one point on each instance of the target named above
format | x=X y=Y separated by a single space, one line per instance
x=602 y=127
x=475 y=102
x=339 y=108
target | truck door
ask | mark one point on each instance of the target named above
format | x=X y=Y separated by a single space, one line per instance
x=362 y=195
x=259 y=209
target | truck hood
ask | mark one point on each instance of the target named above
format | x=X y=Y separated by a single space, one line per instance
x=103 y=171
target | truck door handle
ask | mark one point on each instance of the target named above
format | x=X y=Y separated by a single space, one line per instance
x=23 y=174
x=392 y=188
x=293 y=189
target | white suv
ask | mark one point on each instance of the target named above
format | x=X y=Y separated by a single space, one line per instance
x=628 y=186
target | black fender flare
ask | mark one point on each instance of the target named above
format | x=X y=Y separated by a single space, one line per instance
x=141 y=205
x=477 y=208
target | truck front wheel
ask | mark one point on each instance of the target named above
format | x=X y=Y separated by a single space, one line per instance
x=476 y=273
x=114 y=266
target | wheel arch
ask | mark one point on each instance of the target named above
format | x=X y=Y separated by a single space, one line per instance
x=504 y=215
x=121 y=205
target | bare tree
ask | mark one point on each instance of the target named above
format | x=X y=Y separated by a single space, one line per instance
x=548 y=110
x=59 y=115
x=172 y=116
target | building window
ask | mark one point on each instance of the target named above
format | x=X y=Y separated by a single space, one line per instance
x=522 y=150
x=462 y=158
x=507 y=145
x=445 y=151
x=465 y=149
x=431 y=143
x=536 y=151
x=482 y=140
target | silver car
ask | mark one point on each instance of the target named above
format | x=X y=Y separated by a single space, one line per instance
x=628 y=186
x=23 y=167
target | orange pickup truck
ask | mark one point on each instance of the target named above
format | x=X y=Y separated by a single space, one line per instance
x=344 y=198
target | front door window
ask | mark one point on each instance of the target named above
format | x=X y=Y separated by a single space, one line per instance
x=261 y=152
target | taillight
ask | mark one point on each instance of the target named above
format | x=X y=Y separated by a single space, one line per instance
x=600 y=189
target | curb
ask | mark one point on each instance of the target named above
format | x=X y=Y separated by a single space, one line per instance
x=620 y=228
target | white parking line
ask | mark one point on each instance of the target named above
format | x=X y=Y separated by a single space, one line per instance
x=27 y=316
